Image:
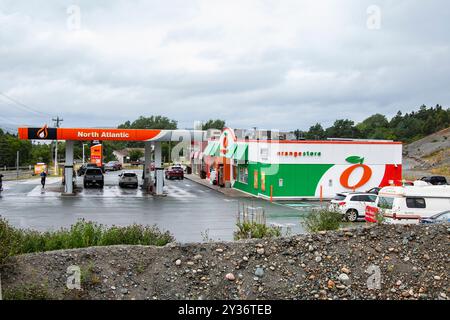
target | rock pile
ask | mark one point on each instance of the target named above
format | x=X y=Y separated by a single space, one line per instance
x=370 y=262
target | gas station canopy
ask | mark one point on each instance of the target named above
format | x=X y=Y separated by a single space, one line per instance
x=46 y=133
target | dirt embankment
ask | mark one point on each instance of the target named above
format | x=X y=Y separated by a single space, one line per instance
x=376 y=262
x=430 y=155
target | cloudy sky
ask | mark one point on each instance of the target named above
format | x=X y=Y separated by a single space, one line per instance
x=272 y=64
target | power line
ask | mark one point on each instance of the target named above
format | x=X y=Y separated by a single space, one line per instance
x=24 y=106
x=9 y=129
x=8 y=121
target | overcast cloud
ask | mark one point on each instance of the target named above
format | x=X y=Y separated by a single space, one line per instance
x=272 y=64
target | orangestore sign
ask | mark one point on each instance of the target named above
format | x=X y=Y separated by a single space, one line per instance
x=299 y=154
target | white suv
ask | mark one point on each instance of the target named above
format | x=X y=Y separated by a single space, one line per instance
x=352 y=204
x=128 y=179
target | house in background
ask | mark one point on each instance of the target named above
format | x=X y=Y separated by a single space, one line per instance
x=123 y=155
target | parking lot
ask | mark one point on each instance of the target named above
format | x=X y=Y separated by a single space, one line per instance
x=190 y=211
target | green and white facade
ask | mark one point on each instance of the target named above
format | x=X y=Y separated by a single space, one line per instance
x=305 y=169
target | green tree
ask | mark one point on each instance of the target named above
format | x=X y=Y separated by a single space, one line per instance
x=152 y=122
x=315 y=132
x=373 y=126
x=214 y=124
x=41 y=153
x=135 y=154
x=342 y=128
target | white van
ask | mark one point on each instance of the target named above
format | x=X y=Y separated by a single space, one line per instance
x=408 y=204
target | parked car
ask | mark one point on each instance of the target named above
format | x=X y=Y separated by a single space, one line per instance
x=93 y=176
x=182 y=166
x=113 y=166
x=435 y=180
x=82 y=170
x=440 y=217
x=352 y=204
x=175 y=173
x=127 y=179
x=374 y=190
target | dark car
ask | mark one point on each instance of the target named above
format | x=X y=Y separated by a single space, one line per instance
x=374 y=190
x=175 y=173
x=93 y=176
x=113 y=166
x=441 y=217
x=435 y=180
x=82 y=170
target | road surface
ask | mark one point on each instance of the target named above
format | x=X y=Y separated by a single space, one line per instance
x=191 y=212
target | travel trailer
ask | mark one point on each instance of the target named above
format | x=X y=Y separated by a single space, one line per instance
x=409 y=204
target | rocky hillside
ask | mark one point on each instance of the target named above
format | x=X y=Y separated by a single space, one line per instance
x=429 y=155
x=413 y=263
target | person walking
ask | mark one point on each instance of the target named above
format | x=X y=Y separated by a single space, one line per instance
x=1 y=182
x=43 y=177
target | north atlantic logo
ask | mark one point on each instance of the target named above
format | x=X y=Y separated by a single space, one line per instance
x=42 y=132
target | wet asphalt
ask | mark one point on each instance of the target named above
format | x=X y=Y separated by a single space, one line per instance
x=190 y=211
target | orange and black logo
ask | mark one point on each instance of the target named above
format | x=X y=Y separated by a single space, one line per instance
x=44 y=133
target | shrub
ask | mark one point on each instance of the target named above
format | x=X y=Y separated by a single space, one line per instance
x=29 y=292
x=322 y=220
x=254 y=230
x=254 y=226
x=80 y=235
x=8 y=240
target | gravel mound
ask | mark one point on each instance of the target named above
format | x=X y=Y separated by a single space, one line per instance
x=370 y=262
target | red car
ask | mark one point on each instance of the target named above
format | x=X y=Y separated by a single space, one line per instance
x=175 y=173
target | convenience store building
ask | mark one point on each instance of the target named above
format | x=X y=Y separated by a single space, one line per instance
x=295 y=169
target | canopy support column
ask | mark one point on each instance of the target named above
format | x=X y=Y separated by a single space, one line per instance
x=68 y=168
x=159 y=170
x=147 y=165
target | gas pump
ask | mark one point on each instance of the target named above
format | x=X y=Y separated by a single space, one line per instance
x=159 y=180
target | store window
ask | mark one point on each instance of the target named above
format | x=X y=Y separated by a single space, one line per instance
x=243 y=174
x=264 y=153
x=263 y=181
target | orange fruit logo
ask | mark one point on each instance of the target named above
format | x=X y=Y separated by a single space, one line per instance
x=358 y=163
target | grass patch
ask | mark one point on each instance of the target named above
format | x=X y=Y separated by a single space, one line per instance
x=30 y=292
x=254 y=230
x=322 y=220
x=80 y=235
x=253 y=225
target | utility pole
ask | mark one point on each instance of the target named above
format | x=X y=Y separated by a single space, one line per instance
x=17 y=164
x=57 y=122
